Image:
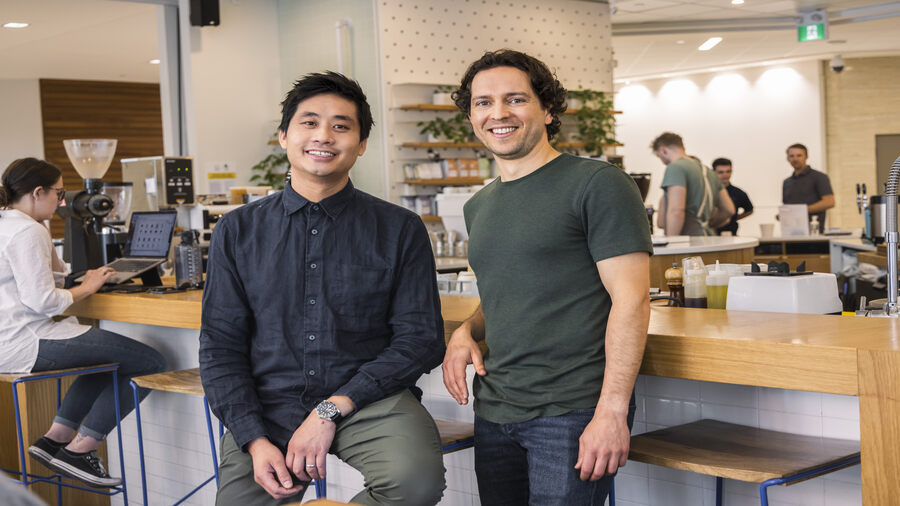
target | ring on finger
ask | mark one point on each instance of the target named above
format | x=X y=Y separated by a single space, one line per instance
x=310 y=465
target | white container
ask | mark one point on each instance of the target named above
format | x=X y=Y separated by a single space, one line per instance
x=811 y=294
x=450 y=209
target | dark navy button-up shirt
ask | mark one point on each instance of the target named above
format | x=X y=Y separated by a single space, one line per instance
x=305 y=300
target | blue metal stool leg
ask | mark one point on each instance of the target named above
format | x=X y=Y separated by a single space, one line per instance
x=212 y=440
x=115 y=380
x=140 y=438
x=719 y=491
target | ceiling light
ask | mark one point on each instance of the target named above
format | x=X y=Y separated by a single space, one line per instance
x=154 y=61
x=679 y=42
x=709 y=44
x=737 y=2
x=15 y=25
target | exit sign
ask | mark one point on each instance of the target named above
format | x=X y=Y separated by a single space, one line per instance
x=811 y=32
x=813 y=26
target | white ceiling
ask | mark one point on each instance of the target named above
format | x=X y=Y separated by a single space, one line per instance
x=669 y=51
x=114 y=40
x=79 y=39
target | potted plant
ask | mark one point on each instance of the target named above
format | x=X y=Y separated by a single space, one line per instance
x=595 y=120
x=442 y=95
x=456 y=129
x=272 y=170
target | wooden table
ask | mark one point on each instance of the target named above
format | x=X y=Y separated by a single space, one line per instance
x=831 y=354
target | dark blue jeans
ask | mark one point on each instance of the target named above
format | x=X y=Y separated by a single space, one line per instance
x=533 y=462
x=89 y=402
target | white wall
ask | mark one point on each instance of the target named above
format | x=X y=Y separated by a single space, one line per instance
x=232 y=106
x=21 y=134
x=749 y=115
x=307 y=43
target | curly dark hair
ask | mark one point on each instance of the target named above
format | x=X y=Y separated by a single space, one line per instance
x=543 y=82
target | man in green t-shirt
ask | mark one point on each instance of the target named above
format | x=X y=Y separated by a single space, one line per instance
x=694 y=201
x=560 y=246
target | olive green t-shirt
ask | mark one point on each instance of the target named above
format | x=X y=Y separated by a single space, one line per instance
x=687 y=172
x=533 y=244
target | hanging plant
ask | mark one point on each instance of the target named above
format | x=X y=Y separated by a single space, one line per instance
x=595 y=120
x=273 y=169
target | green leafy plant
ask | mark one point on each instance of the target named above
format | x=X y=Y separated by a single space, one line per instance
x=272 y=170
x=595 y=120
x=444 y=88
x=456 y=129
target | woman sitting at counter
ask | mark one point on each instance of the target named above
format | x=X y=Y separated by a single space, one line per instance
x=31 y=341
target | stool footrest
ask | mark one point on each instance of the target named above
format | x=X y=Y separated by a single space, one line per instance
x=738 y=452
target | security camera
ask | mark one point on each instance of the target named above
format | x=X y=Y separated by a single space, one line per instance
x=837 y=64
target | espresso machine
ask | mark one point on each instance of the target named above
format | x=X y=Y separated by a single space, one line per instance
x=86 y=244
x=874 y=210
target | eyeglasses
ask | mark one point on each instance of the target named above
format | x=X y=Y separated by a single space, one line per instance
x=60 y=193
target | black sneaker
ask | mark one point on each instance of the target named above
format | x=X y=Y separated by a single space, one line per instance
x=44 y=449
x=85 y=467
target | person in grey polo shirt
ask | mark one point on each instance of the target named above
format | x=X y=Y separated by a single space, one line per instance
x=807 y=185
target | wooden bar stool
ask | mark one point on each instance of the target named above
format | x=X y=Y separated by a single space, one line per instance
x=739 y=452
x=455 y=436
x=26 y=478
x=185 y=381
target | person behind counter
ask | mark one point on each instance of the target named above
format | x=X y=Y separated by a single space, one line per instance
x=742 y=205
x=694 y=201
x=807 y=185
x=320 y=313
x=553 y=397
x=31 y=276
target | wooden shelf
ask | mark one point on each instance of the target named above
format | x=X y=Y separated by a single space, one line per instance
x=476 y=145
x=446 y=182
x=431 y=219
x=432 y=107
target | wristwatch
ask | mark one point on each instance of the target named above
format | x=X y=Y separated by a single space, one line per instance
x=327 y=410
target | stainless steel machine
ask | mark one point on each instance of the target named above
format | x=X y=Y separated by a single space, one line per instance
x=160 y=182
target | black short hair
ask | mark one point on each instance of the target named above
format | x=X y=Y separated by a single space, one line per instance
x=797 y=145
x=22 y=176
x=667 y=139
x=721 y=161
x=543 y=82
x=324 y=83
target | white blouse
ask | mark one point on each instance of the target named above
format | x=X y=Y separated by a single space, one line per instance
x=30 y=293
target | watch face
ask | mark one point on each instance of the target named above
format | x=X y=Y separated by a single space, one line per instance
x=327 y=410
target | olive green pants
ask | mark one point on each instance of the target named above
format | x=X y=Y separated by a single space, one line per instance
x=393 y=443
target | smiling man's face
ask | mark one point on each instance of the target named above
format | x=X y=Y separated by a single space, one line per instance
x=506 y=114
x=322 y=139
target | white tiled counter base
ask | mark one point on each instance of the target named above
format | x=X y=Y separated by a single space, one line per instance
x=177 y=452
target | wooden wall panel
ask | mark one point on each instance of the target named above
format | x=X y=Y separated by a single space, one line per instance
x=129 y=112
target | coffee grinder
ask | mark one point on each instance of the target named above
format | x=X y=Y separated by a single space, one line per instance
x=85 y=245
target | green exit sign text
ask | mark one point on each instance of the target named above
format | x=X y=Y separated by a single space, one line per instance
x=811 y=32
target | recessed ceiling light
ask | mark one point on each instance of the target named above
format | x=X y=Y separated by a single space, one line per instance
x=14 y=25
x=679 y=41
x=709 y=44
x=737 y=2
x=154 y=61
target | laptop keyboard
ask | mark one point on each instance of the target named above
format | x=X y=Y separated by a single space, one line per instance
x=131 y=265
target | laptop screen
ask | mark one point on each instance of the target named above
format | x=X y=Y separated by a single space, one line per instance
x=150 y=234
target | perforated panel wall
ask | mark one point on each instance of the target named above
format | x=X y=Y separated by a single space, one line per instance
x=432 y=41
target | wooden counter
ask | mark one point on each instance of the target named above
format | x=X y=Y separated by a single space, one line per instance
x=832 y=354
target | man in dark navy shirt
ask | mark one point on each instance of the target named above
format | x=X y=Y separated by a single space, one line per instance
x=320 y=313
x=742 y=205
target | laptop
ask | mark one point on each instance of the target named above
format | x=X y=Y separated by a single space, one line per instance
x=147 y=246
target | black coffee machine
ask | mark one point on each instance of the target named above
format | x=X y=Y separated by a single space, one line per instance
x=643 y=183
x=86 y=246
